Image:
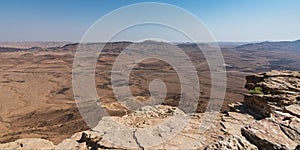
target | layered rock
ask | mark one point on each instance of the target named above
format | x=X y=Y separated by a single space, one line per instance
x=232 y=122
x=279 y=102
x=293 y=109
x=232 y=143
x=280 y=89
x=280 y=131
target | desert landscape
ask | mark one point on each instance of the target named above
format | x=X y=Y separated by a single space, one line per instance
x=37 y=99
x=159 y=74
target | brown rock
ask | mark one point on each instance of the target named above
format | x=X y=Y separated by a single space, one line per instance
x=255 y=78
x=232 y=143
x=272 y=133
x=154 y=127
x=232 y=122
x=29 y=143
x=293 y=109
x=289 y=124
x=281 y=90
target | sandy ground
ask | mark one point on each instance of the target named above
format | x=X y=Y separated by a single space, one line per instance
x=32 y=101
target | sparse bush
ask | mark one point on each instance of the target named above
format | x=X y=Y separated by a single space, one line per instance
x=257 y=90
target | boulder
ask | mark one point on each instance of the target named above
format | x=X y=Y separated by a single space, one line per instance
x=73 y=143
x=232 y=122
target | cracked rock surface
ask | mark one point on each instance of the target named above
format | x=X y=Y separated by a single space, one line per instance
x=279 y=103
x=151 y=127
x=277 y=132
x=232 y=143
x=154 y=127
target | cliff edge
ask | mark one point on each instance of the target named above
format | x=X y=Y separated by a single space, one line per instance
x=268 y=119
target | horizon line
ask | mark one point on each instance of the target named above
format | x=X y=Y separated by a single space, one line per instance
x=222 y=41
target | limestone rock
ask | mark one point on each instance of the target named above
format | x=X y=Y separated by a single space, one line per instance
x=280 y=103
x=281 y=90
x=293 y=109
x=232 y=143
x=71 y=145
x=153 y=127
x=289 y=124
x=277 y=132
x=29 y=143
x=232 y=122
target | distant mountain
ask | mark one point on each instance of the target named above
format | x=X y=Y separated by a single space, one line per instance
x=280 y=46
x=8 y=49
x=232 y=44
x=26 y=45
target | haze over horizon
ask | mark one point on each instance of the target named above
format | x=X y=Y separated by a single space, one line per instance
x=229 y=21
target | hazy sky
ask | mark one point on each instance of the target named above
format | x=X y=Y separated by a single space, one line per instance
x=228 y=20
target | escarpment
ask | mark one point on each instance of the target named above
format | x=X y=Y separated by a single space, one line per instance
x=268 y=119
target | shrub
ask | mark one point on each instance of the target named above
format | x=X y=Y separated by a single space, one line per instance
x=257 y=90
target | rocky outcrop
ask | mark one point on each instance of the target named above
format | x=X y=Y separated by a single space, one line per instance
x=232 y=143
x=154 y=127
x=279 y=101
x=29 y=143
x=280 y=89
x=232 y=122
x=293 y=109
x=267 y=120
x=277 y=132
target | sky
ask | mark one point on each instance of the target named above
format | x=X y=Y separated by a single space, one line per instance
x=227 y=20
